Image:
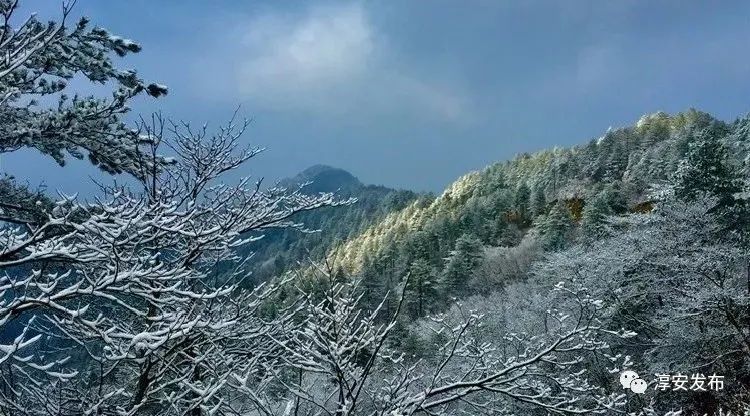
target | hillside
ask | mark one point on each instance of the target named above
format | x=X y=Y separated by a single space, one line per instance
x=545 y=194
x=642 y=233
x=386 y=231
x=281 y=249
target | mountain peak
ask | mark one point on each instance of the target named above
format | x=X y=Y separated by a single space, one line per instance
x=324 y=178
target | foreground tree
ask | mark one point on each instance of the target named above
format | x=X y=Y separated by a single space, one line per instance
x=39 y=59
x=37 y=233
x=342 y=362
x=137 y=292
x=675 y=278
x=130 y=303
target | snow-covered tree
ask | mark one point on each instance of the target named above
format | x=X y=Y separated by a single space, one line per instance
x=460 y=264
x=49 y=247
x=342 y=362
x=555 y=226
x=134 y=300
x=422 y=290
x=500 y=266
x=706 y=170
x=39 y=59
x=594 y=219
x=522 y=200
x=674 y=277
x=538 y=201
x=615 y=194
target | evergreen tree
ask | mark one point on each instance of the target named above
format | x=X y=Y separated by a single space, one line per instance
x=705 y=170
x=555 y=226
x=422 y=288
x=538 y=201
x=522 y=198
x=740 y=144
x=460 y=264
x=614 y=194
x=617 y=160
x=595 y=216
x=501 y=202
x=592 y=166
x=653 y=128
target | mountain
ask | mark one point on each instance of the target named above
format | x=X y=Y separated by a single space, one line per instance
x=523 y=207
x=281 y=250
x=642 y=233
x=491 y=225
x=323 y=178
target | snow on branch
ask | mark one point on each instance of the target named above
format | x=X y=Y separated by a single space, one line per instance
x=135 y=300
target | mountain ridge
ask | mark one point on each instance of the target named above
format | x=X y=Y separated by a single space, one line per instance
x=502 y=203
x=323 y=178
x=281 y=250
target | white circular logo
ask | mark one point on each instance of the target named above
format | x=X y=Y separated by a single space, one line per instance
x=638 y=386
x=627 y=377
x=631 y=381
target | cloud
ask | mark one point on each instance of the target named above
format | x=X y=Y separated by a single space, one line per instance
x=597 y=66
x=332 y=60
x=325 y=48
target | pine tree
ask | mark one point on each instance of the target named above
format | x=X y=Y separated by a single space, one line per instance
x=653 y=129
x=591 y=159
x=40 y=61
x=705 y=170
x=422 y=288
x=740 y=139
x=460 y=264
x=617 y=160
x=538 y=201
x=555 y=226
x=614 y=193
x=595 y=217
x=521 y=202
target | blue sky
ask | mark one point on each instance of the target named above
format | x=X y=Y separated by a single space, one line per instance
x=413 y=94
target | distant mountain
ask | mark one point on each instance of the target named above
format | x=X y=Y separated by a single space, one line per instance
x=324 y=178
x=281 y=250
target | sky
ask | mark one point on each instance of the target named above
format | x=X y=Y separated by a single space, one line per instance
x=413 y=94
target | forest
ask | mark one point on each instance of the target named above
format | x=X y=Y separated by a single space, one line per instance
x=525 y=288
